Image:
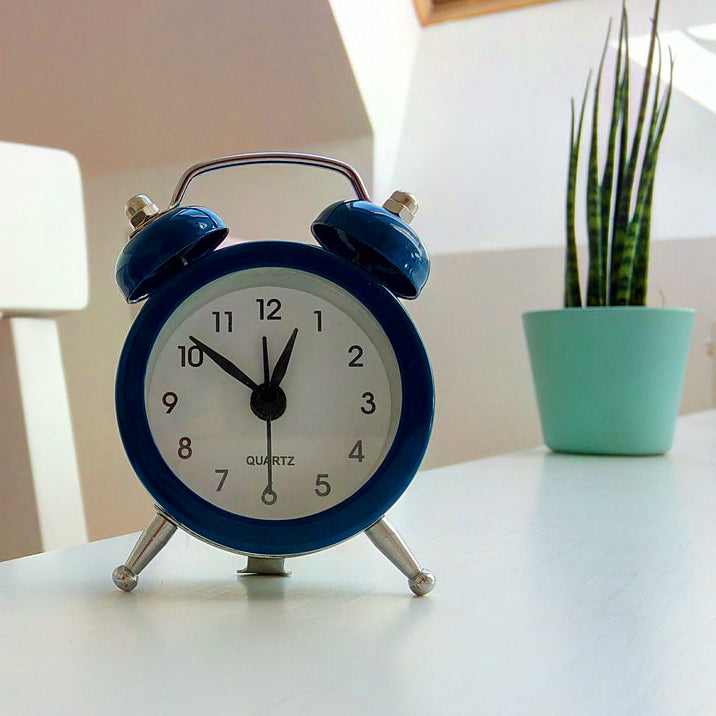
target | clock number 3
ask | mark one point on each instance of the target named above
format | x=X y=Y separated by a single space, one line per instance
x=370 y=406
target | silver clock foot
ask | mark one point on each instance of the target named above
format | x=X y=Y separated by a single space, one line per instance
x=387 y=539
x=265 y=565
x=150 y=542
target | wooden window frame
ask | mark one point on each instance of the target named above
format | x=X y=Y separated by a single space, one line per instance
x=434 y=11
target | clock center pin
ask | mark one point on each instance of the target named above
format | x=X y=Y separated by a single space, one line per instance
x=268 y=402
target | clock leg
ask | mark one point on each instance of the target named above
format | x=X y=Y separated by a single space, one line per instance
x=150 y=542
x=387 y=539
x=273 y=566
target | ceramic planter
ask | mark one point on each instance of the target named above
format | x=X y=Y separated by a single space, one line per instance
x=608 y=380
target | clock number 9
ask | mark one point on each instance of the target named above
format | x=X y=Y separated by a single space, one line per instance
x=170 y=400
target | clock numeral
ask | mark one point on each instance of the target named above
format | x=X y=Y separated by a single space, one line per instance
x=222 y=474
x=269 y=309
x=319 y=321
x=191 y=356
x=185 y=451
x=223 y=321
x=357 y=352
x=356 y=452
x=170 y=400
x=370 y=406
x=323 y=487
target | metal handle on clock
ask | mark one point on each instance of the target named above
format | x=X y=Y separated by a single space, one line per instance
x=268 y=158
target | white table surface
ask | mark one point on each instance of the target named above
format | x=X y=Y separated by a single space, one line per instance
x=566 y=585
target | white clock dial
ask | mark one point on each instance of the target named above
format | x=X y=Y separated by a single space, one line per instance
x=273 y=393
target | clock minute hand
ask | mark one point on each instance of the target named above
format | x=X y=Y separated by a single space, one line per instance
x=225 y=364
x=279 y=370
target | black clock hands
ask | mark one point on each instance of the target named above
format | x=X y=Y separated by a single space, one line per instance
x=279 y=370
x=268 y=400
x=264 y=353
x=225 y=364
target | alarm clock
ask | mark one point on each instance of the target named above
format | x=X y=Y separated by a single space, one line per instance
x=274 y=397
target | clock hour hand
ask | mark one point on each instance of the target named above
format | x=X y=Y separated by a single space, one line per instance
x=225 y=364
x=279 y=370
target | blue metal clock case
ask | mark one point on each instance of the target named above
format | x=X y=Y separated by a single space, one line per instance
x=376 y=239
x=163 y=247
x=293 y=536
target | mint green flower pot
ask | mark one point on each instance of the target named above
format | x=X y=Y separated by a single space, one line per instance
x=609 y=380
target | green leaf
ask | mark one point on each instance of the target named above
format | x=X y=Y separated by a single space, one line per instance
x=596 y=275
x=626 y=233
x=608 y=174
x=572 y=292
x=623 y=275
x=642 y=214
x=619 y=205
x=622 y=200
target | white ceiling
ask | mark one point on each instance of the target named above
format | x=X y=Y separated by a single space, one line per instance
x=132 y=84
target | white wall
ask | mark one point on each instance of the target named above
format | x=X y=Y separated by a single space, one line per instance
x=486 y=132
x=381 y=39
x=470 y=317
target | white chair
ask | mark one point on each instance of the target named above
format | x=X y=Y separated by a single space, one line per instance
x=43 y=272
x=712 y=355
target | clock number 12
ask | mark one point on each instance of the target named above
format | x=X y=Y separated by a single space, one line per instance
x=269 y=310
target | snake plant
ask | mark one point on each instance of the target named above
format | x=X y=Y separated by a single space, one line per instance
x=618 y=201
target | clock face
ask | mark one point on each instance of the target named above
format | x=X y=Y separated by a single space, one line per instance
x=272 y=393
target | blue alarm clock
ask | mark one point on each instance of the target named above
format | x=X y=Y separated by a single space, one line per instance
x=273 y=397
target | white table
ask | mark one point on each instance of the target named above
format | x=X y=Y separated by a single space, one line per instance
x=566 y=585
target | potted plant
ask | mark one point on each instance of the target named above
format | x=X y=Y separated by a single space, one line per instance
x=608 y=371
